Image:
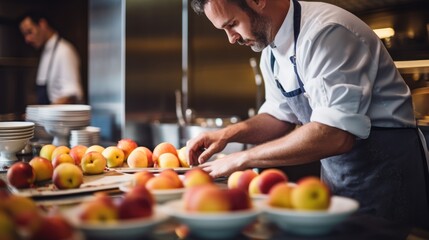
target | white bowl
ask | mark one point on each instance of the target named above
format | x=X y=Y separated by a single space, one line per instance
x=311 y=222
x=8 y=149
x=211 y=225
x=16 y=125
x=123 y=229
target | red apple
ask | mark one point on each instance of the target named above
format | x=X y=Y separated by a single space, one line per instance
x=137 y=203
x=21 y=175
x=127 y=145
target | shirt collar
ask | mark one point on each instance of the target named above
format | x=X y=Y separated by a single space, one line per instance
x=51 y=42
x=284 y=36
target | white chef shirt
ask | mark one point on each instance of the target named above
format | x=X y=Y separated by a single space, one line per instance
x=349 y=77
x=63 y=78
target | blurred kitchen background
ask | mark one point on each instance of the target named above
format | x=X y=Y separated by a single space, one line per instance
x=149 y=66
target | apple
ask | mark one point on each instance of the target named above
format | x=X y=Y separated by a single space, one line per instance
x=137 y=159
x=93 y=163
x=77 y=153
x=164 y=147
x=137 y=203
x=244 y=180
x=239 y=199
x=233 y=179
x=310 y=193
x=207 y=198
x=47 y=150
x=21 y=175
x=168 y=160
x=127 y=146
x=62 y=158
x=181 y=154
x=195 y=177
x=54 y=227
x=114 y=155
x=100 y=209
x=67 y=176
x=280 y=195
x=94 y=148
x=170 y=173
x=59 y=150
x=141 y=178
x=160 y=182
x=262 y=183
x=43 y=168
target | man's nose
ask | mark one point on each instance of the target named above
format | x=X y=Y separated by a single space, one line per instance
x=232 y=36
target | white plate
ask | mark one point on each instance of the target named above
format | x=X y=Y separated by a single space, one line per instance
x=162 y=195
x=91 y=183
x=311 y=222
x=16 y=125
x=211 y=225
x=152 y=170
x=124 y=229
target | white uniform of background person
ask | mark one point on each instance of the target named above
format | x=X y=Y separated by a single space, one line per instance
x=63 y=76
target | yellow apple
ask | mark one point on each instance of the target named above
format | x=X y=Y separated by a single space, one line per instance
x=114 y=156
x=59 y=150
x=62 y=158
x=43 y=168
x=67 y=176
x=310 y=193
x=46 y=151
x=181 y=154
x=96 y=148
x=195 y=177
x=93 y=163
x=77 y=153
x=100 y=209
x=137 y=159
x=280 y=195
x=168 y=160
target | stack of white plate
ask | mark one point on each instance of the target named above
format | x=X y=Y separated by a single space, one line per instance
x=87 y=136
x=59 y=120
x=13 y=138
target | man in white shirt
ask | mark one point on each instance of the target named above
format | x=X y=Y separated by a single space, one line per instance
x=58 y=76
x=326 y=70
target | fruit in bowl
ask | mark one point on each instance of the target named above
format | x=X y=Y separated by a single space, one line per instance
x=310 y=194
x=280 y=195
x=100 y=209
x=262 y=183
x=195 y=177
x=137 y=203
x=241 y=179
x=141 y=178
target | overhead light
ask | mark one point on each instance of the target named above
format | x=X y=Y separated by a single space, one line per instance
x=384 y=32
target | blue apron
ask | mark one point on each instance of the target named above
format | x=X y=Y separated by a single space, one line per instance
x=387 y=175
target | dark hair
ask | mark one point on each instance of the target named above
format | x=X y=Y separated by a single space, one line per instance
x=198 y=5
x=36 y=17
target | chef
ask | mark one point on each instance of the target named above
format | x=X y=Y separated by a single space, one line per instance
x=328 y=73
x=58 y=74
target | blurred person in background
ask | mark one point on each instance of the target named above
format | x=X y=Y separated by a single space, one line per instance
x=58 y=76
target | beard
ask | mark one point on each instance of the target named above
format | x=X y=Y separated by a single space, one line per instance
x=260 y=26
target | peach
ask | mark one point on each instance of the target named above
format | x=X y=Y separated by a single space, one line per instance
x=141 y=178
x=59 y=150
x=239 y=199
x=233 y=179
x=53 y=227
x=93 y=163
x=170 y=173
x=21 y=175
x=96 y=148
x=23 y=211
x=160 y=182
x=208 y=198
x=127 y=146
x=43 y=168
x=114 y=155
x=280 y=195
x=77 y=153
x=244 y=180
x=269 y=178
x=137 y=159
x=310 y=193
x=164 y=147
x=195 y=177
x=46 y=151
x=137 y=203
x=62 y=158
x=100 y=209
x=168 y=160
x=67 y=176
x=181 y=154
x=148 y=155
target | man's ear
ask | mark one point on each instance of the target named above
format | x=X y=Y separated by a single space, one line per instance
x=257 y=5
